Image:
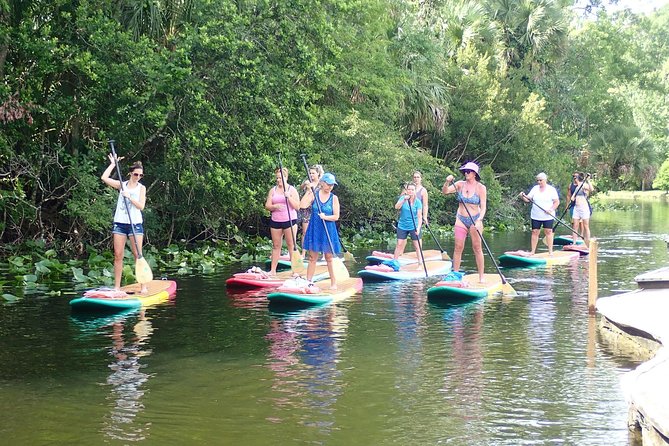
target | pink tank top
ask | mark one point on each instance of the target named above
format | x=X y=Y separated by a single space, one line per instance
x=282 y=215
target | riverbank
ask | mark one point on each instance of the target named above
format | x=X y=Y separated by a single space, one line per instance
x=645 y=195
x=635 y=323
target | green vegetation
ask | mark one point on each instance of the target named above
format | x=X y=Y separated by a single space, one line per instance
x=206 y=92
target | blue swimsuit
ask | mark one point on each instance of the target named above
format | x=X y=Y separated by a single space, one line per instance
x=466 y=220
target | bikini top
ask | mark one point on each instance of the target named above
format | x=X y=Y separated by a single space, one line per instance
x=474 y=199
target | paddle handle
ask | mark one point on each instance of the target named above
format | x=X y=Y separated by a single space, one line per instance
x=125 y=200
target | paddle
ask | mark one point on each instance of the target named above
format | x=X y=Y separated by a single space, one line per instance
x=415 y=230
x=338 y=268
x=507 y=289
x=556 y=219
x=348 y=257
x=296 y=261
x=444 y=254
x=142 y=269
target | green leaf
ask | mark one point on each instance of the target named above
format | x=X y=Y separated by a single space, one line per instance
x=9 y=297
x=78 y=275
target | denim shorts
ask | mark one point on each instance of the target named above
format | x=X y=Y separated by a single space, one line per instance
x=126 y=229
x=403 y=234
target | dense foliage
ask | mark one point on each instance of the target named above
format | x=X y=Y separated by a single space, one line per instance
x=206 y=93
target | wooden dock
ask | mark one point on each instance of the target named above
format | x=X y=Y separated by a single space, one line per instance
x=639 y=319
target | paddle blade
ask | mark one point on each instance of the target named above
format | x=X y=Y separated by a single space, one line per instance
x=339 y=269
x=297 y=262
x=445 y=256
x=508 y=290
x=143 y=271
x=348 y=257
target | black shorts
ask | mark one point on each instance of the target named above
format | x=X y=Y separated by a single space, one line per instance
x=281 y=224
x=547 y=224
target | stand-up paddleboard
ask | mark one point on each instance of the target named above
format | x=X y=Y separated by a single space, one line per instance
x=128 y=297
x=260 y=279
x=581 y=249
x=523 y=258
x=405 y=259
x=320 y=293
x=284 y=262
x=565 y=240
x=378 y=273
x=467 y=289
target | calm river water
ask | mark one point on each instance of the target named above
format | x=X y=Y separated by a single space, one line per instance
x=385 y=367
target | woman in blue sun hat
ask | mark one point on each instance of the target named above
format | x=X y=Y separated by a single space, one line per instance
x=316 y=239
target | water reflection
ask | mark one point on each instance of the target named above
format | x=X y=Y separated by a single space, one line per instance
x=408 y=306
x=251 y=299
x=463 y=377
x=129 y=333
x=304 y=351
x=127 y=379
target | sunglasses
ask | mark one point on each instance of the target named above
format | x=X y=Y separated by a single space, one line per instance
x=467 y=171
x=141 y=175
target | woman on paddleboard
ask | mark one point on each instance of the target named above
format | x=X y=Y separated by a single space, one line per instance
x=315 y=174
x=134 y=193
x=421 y=193
x=578 y=195
x=409 y=222
x=282 y=202
x=324 y=213
x=472 y=197
x=545 y=201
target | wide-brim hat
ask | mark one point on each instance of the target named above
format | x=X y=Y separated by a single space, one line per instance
x=542 y=176
x=473 y=167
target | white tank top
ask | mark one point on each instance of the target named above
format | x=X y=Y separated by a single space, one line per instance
x=121 y=214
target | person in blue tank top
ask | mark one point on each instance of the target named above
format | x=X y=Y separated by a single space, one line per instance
x=409 y=222
x=324 y=214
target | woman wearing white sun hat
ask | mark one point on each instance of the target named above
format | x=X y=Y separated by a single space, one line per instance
x=545 y=201
x=472 y=199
